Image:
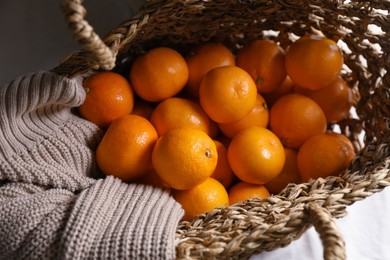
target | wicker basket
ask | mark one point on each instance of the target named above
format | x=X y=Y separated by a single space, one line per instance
x=254 y=226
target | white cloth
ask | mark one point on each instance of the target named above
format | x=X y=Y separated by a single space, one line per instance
x=366 y=231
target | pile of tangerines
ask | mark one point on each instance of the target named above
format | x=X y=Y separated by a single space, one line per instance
x=218 y=127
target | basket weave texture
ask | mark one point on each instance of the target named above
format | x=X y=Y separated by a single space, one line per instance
x=251 y=227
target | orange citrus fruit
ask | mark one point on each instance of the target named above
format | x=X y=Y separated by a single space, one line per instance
x=224 y=140
x=126 y=148
x=204 y=58
x=256 y=155
x=213 y=129
x=152 y=178
x=222 y=173
x=179 y=113
x=142 y=108
x=264 y=61
x=294 y=118
x=324 y=155
x=227 y=94
x=335 y=99
x=258 y=116
x=108 y=97
x=158 y=74
x=287 y=87
x=243 y=191
x=313 y=61
x=289 y=174
x=201 y=198
x=184 y=157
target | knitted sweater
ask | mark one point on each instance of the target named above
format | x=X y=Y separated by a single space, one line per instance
x=53 y=202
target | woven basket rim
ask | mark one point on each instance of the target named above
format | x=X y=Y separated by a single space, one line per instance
x=274 y=222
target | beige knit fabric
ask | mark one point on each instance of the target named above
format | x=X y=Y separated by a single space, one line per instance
x=52 y=203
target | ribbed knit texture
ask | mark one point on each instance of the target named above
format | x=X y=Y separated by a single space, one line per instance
x=40 y=136
x=50 y=206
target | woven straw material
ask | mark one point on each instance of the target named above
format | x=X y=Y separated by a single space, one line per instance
x=254 y=226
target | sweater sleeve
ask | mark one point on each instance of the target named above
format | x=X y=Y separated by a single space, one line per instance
x=52 y=204
x=109 y=220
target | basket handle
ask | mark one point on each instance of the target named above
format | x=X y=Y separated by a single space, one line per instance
x=85 y=35
x=332 y=240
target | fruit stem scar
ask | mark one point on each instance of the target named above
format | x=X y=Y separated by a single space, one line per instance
x=259 y=80
x=208 y=153
x=87 y=90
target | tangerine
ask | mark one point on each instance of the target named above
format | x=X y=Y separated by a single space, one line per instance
x=324 y=155
x=179 y=113
x=152 y=178
x=201 y=198
x=204 y=58
x=294 y=118
x=142 y=108
x=227 y=94
x=289 y=174
x=335 y=99
x=313 y=61
x=256 y=155
x=243 y=191
x=223 y=172
x=258 y=116
x=287 y=87
x=213 y=129
x=108 y=97
x=158 y=74
x=264 y=61
x=126 y=148
x=184 y=157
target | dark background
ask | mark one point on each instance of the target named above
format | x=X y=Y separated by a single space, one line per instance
x=34 y=35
